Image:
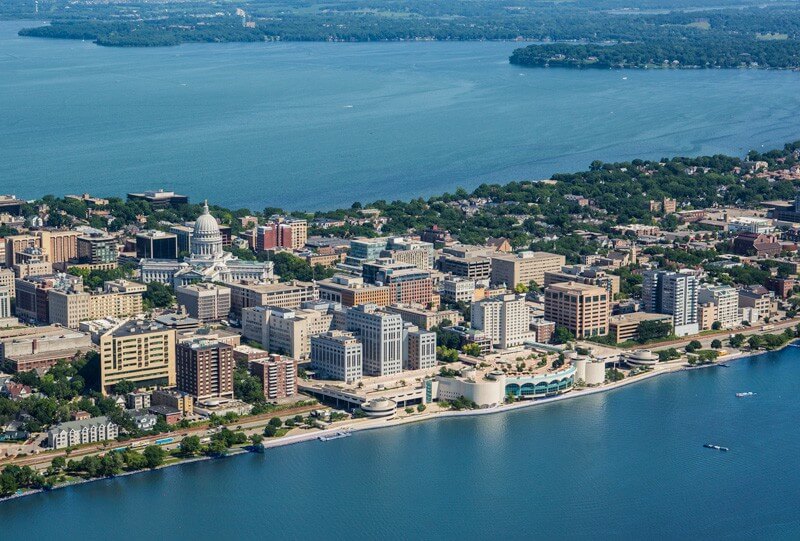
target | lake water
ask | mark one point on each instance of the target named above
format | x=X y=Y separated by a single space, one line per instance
x=627 y=464
x=319 y=125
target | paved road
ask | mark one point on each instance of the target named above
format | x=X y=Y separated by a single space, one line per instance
x=43 y=459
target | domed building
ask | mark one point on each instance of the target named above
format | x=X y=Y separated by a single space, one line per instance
x=207 y=262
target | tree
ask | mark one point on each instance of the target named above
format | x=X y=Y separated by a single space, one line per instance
x=124 y=387
x=520 y=288
x=717 y=325
x=190 y=445
x=755 y=342
x=692 y=346
x=275 y=422
x=58 y=464
x=421 y=407
x=653 y=330
x=562 y=335
x=270 y=431
x=409 y=410
x=736 y=340
x=716 y=344
x=472 y=349
x=154 y=456
x=158 y=295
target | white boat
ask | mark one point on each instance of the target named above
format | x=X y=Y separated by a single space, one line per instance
x=748 y=393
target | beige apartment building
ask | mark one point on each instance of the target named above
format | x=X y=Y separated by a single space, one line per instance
x=524 y=267
x=137 y=350
x=283 y=330
x=120 y=299
x=581 y=308
x=282 y=294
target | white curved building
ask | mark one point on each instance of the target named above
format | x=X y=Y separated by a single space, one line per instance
x=379 y=407
x=642 y=357
x=208 y=262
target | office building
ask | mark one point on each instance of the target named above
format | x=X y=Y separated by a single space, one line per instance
x=285 y=330
x=32 y=302
x=352 y=291
x=70 y=305
x=726 y=302
x=365 y=249
x=156 y=245
x=414 y=252
x=583 y=275
x=426 y=319
x=204 y=301
x=6 y=320
x=282 y=295
x=524 y=268
x=184 y=236
x=139 y=351
x=137 y=400
x=97 y=249
x=582 y=309
x=466 y=261
x=381 y=336
x=674 y=293
x=160 y=199
x=455 y=290
x=39 y=348
x=625 y=327
x=337 y=355
x=419 y=348
x=278 y=376
x=504 y=319
x=204 y=369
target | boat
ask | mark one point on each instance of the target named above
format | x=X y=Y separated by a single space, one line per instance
x=717 y=447
x=748 y=393
x=723 y=365
x=336 y=436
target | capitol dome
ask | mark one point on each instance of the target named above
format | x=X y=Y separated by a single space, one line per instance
x=207 y=239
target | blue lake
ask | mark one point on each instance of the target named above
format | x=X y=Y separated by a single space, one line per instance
x=627 y=464
x=320 y=125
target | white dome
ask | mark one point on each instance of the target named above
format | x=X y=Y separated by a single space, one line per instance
x=206 y=225
x=207 y=240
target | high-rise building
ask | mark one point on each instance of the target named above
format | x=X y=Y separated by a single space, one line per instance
x=726 y=302
x=337 y=355
x=184 y=236
x=281 y=232
x=139 y=351
x=524 y=267
x=381 y=335
x=204 y=369
x=5 y=307
x=278 y=375
x=285 y=330
x=156 y=245
x=504 y=319
x=205 y=301
x=7 y=278
x=674 y=293
x=97 y=249
x=583 y=309
x=419 y=348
